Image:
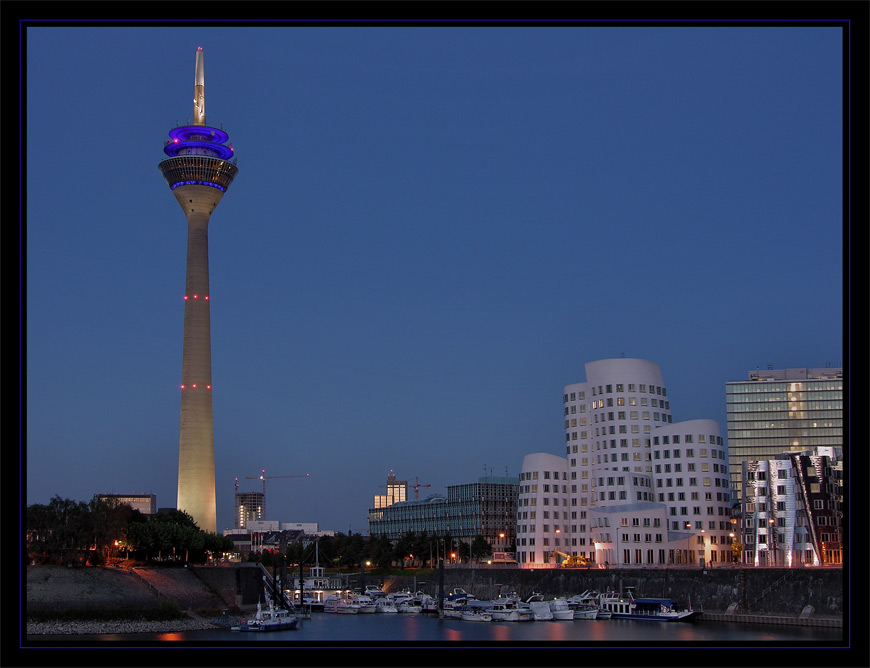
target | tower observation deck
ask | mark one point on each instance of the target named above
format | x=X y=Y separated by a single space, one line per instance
x=199 y=168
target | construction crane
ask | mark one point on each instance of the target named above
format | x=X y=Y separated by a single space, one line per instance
x=417 y=488
x=265 y=477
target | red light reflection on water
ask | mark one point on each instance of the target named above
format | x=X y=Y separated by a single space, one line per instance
x=170 y=636
x=452 y=635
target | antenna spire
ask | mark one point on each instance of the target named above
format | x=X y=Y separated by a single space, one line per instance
x=199 y=90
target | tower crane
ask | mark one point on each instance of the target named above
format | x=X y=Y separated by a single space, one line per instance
x=265 y=477
x=417 y=488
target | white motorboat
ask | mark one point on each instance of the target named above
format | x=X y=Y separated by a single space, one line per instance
x=366 y=603
x=453 y=608
x=386 y=605
x=560 y=609
x=340 y=605
x=509 y=610
x=374 y=591
x=410 y=606
x=475 y=615
x=588 y=606
x=540 y=611
x=270 y=619
x=590 y=612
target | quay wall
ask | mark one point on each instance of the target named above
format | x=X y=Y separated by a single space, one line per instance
x=239 y=585
x=748 y=591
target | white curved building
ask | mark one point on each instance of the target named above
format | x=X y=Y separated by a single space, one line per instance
x=641 y=489
x=543 y=509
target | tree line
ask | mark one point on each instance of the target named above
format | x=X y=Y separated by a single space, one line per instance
x=351 y=551
x=64 y=531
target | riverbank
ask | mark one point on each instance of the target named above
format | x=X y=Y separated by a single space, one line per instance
x=106 y=626
x=96 y=600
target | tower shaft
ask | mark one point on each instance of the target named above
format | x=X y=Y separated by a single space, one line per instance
x=199 y=169
x=196 y=482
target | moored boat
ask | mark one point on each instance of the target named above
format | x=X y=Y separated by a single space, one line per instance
x=386 y=605
x=475 y=615
x=270 y=619
x=509 y=610
x=645 y=609
x=540 y=611
x=560 y=609
x=366 y=603
x=588 y=606
x=340 y=605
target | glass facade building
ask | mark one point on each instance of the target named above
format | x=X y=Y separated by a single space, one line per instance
x=484 y=508
x=778 y=411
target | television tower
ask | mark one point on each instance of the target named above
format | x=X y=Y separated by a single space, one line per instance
x=199 y=169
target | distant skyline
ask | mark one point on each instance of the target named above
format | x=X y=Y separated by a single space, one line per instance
x=432 y=231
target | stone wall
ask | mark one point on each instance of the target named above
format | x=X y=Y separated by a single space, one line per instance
x=239 y=585
x=775 y=591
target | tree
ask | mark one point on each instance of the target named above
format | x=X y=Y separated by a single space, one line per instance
x=480 y=548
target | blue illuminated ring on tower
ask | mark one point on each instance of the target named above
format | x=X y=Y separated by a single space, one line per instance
x=198 y=136
x=198 y=170
x=199 y=132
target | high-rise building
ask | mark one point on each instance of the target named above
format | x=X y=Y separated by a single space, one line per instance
x=199 y=169
x=792 y=509
x=641 y=489
x=782 y=410
x=250 y=507
x=397 y=492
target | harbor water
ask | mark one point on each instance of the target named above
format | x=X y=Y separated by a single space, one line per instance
x=329 y=630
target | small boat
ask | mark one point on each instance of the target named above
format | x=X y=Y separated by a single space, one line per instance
x=410 y=606
x=374 y=591
x=475 y=615
x=340 y=605
x=453 y=608
x=309 y=603
x=271 y=619
x=540 y=611
x=645 y=609
x=459 y=592
x=366 y=603
x=588 y=606
x=386 y=605
x=509 y=610
x=560 y=609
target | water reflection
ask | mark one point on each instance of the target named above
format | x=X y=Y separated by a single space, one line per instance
x=327 y=629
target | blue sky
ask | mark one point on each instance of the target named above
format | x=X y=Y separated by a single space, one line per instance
x=432 y=230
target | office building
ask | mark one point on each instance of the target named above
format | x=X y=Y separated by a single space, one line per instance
x=792 y=509
x=641 y=489
x=782 y=410
x=199 y=169
x=484 y=508
x=397 y=492
x=250 y=507
x=144 y=503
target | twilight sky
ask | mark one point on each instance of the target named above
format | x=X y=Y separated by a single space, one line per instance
x=432 y=230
